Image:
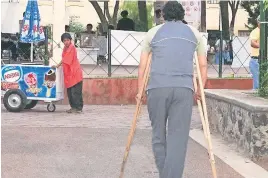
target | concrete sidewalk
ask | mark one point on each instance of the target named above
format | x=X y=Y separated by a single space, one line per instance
x=89 y=145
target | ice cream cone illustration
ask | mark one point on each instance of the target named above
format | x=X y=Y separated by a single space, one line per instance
x=31 y=80
x=50 y=79
x=48 y=93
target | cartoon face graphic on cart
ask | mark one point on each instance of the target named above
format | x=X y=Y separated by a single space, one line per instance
x=32 y=82
x=50 y=81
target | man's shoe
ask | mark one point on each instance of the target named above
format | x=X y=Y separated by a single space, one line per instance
x=70 y=110
x=78 y=111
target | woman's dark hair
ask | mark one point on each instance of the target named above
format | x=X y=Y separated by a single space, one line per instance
x=124 y=13
x=66 y=36
x=173 y=11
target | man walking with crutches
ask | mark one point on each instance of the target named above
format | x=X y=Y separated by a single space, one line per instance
x=170 y=89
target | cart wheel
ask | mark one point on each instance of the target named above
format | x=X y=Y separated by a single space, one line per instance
x=14 y=100
x=51 y=107
x=31 y=104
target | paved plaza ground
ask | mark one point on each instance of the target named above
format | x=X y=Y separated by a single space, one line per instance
x=38 y=144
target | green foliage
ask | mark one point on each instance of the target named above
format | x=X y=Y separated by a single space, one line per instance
x=133 y=13
x=76 y=27
x=263 y=90
x=253 y=9
x=49 y=31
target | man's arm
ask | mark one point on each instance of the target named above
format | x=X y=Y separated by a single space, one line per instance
x=143 y=64
x=217 y=45
x=68 y=57
x=118 y=25
x=202 y=58
x=145 y=53
x=58 y=65
x=254 y=39
x=255 y=44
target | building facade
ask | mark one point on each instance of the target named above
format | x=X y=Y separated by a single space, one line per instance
x=82 y=11
x=213 y=10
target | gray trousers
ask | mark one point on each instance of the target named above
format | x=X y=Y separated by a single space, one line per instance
x=175 y=106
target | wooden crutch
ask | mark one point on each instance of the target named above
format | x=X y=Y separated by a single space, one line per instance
x=202 y=107
x=136 y=115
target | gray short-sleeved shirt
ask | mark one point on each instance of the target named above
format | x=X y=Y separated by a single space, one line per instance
x=173 y=45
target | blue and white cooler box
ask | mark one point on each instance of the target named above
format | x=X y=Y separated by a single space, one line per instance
x=35 y=81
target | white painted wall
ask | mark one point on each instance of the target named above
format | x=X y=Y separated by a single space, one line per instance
x=213 y=18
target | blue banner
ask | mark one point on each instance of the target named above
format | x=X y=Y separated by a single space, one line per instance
x=34 y=81
x=31 y=30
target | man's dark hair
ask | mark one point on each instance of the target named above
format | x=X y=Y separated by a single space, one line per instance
x=66 y=36
x=173 y=11
x=89 y=25
x=111 y=27
x=23 y=14
x=158 y=13
x=124 y=13
x=66 y=27
x=183 y=21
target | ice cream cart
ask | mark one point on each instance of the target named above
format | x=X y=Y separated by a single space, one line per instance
x=23 y=85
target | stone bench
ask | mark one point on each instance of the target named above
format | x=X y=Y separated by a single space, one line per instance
x=241 y=118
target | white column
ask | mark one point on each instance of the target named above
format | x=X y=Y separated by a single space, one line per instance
x=59 y=21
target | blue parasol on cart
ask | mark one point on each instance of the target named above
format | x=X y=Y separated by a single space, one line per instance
x=31 y=31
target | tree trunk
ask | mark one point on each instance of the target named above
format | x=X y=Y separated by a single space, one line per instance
x=104 y=22
x=106 y=18
x=116 y=8
x=143 y=14
x=203 y=27
x=99 y=11
x=234 y=7
x=225 y=19
x=106 y=11
x=234 y=4
x=232 y=25
x=232 y=35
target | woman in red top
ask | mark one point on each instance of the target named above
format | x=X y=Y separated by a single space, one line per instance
x=73 y=77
